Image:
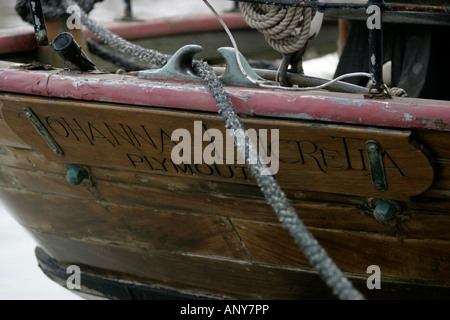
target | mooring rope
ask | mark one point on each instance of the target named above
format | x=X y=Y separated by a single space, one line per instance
x=273 y=194
x=116 y=59
x=126 y=47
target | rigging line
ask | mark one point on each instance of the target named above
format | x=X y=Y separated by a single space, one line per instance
x=267 y=86
x=126 y=47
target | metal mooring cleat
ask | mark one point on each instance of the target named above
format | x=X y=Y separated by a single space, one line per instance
x=179 y=66
x=233 y=74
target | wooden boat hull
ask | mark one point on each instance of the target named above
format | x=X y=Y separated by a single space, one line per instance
x=140 y=225
x=205 y=231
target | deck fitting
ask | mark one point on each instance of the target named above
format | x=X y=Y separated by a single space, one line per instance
x=233 y=74
x=75 y=174
x=384 y=210
x=179 y=66
x=376 y=166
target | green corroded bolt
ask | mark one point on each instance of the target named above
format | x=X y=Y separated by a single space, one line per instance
x=75 y=174
x=384 y=210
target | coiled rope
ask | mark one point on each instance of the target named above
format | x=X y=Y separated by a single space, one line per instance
x=273 y=194
x=285 y=28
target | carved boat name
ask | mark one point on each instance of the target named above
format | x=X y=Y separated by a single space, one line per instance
x=311 y=156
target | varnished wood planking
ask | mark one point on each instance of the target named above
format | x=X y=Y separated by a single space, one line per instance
x=182 y=182
x=316 y=214
x=422 y=225
x=189 y=193
x=65 y=214
x=349 y=218
x=32 y=160
x=56 y=214
x=50 y=183
x=441 y=181
x=227 y=199
x=7 y=136
x=437 y=142
x=434 y=200
x=439 y=205
x=329 y=214
x=181 y=232
x=218 y=278
x=28 y=159
x=443 y=174
x=185 y=272
x=5 y=179
x=203 y=203
x=313 y=213
x=401 y=257
x=438 y=259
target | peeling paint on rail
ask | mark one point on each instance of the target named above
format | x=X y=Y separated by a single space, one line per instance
x=315 y=105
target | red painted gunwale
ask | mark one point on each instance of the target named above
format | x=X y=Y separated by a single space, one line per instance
x=17 y=40
x=325 y=106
